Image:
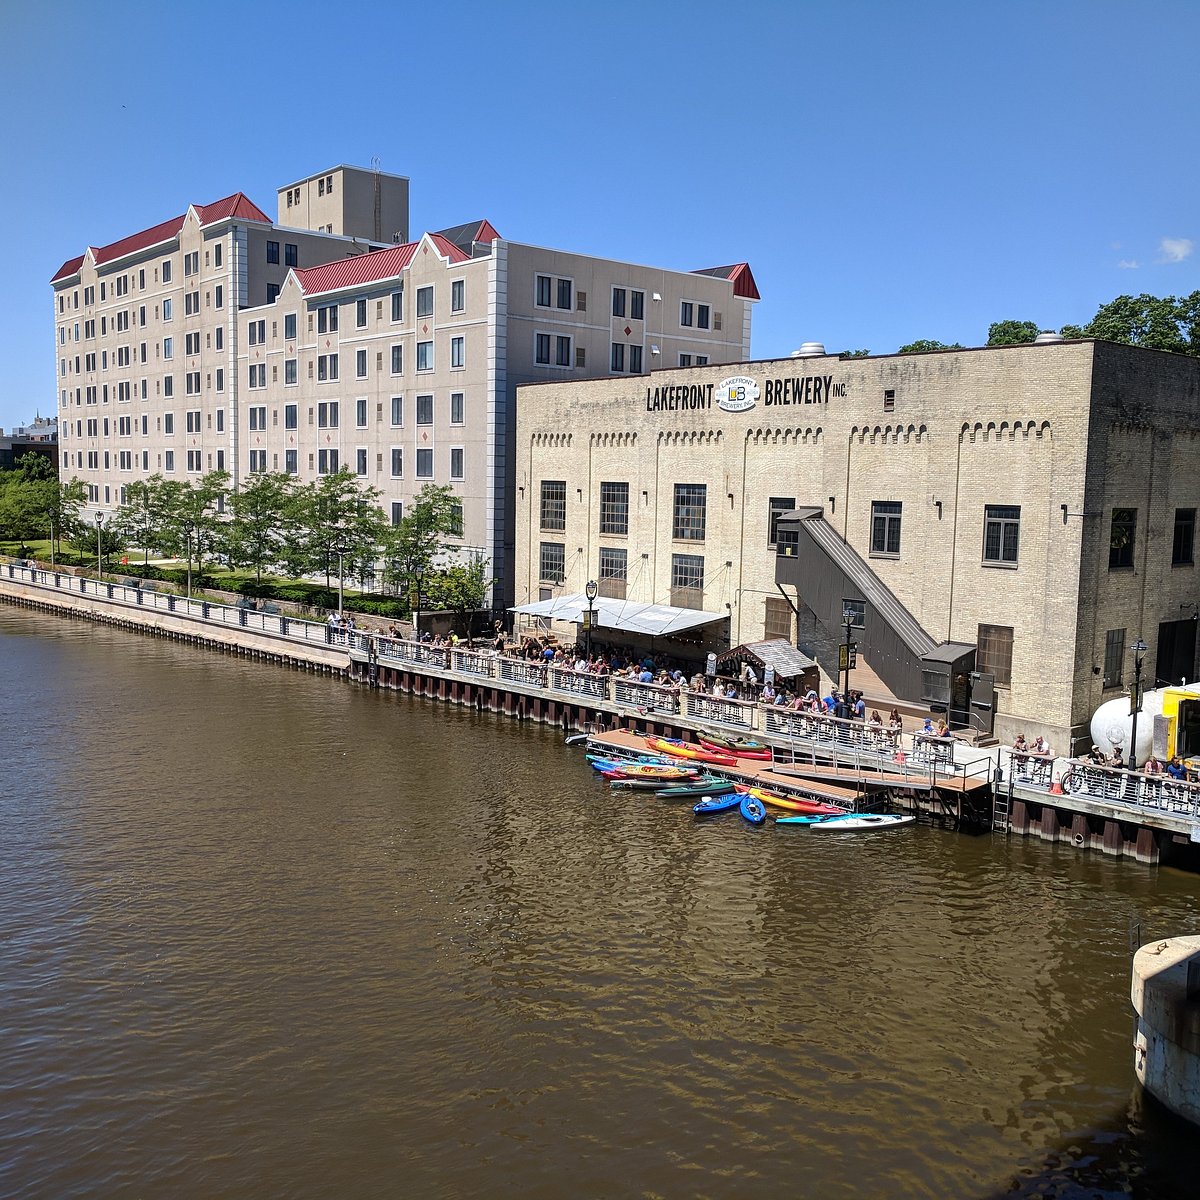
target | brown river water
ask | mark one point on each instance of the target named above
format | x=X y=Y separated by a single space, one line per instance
x=265 y=933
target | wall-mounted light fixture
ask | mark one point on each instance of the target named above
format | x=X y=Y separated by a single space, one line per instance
x=832 y=503
x=655 y=297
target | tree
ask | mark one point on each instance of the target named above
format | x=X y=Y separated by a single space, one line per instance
x=1150 y=321
x=343 y=520
x=924 y=346
x=411 y=546
x=147 y=517
x=854 y=354
x=259 y=511
x=462 y=588
x=1012 y=333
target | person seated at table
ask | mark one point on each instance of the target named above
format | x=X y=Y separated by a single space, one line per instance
x=1096 y=756
x=927 y=728
x=1041 y=746
x=942 y=730
x=1117 y=759
x=1152 y=765
x=1020 y=745
x=875 y=724
x=768 y=693
x=1176 y=769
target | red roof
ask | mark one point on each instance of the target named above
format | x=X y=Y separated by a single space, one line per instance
x=739 y=275
x=370 y=268
x=236 y=205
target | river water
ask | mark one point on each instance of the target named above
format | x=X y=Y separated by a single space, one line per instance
x=267 y=934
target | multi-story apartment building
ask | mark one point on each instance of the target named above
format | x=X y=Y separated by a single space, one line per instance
x=401 y=362
x=146 y=327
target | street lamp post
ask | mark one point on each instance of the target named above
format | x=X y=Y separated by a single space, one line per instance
x=52 y=539
x=187 y=535
x=99 y=559
x=1135 y=705
x=589 y=590
x=416 y=607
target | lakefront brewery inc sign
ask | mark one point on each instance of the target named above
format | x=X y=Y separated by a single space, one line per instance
x=740 y=393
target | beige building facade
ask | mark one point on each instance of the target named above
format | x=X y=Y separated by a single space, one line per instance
x=1024 y=513
x=221 y=340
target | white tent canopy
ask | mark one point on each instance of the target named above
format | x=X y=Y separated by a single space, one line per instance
x=656 y=620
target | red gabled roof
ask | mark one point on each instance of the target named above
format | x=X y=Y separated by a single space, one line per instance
x=70 y=267
x=353 y=272
x=236 y=205
x=372 y=267
x=739 y=275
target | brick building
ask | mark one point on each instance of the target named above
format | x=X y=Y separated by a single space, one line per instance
x=1010 y=521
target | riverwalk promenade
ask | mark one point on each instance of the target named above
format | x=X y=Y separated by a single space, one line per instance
x=1097 y=808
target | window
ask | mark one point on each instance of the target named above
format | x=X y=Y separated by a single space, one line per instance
x=702 y=311
x=778 y=506
x=424 y=410
x=273 y=252
x=360 y=412
x=618 y=304
x=360 y=364
x=258 y=461
x=686 y=312
x=614 y=572
x=687 y=580
x=258 y=375
x=360 y=461
x=289 y=371
x=424 y=464
x=614 y=508
x=327 y=318
x=542 y=290
x=166 y=271
x=617 y=362
x=167 y=310
x=291 y=255
x=1182 y=548
x=1114 y=657
x=637 y=305
x=554 y=505
x=257 y=333
x=289 y=416
x=552 y=562
x=289 y=327
x=458 y=295
x=258 y=419
x=456 y=462
x=541 y=349
x=327 y=462
x=360 y=313
x=168 y=460
x=635 y=360
x=219 y=296
x=291 y=462
x=397 y=512
x=192 y=420
x=1001 y=533
x=424 y=356
x=564 y=294
x=425 y=302
x=397 y=463
x=168 y=385
x=397 y=360
x=327 y=368
x=220 y=420
x=777 y=619
x=397 y=410
x=1121 y=539
x=456 y=408
x=993 y=655
x=702 y=360
x=327 y=414
x=398 y=306
x=691 y=500
x=457 y=352
x=191 y=263
x=885 y=528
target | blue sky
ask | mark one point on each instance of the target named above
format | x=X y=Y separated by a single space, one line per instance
x=891 y=171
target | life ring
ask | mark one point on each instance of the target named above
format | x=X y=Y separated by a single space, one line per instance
x=1079 y=839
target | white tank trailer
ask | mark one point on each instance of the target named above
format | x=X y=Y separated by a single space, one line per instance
x=1112 y=723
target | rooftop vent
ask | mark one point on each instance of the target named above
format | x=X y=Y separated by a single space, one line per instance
x=809 y=350
x=1047 y=337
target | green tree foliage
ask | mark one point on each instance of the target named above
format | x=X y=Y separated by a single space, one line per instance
x=254 y=535
x=410 y=548
x=462 y=588
x=33 y=504
x=924 y=346
x=1158 y=323
x=854 y=354
x=1012 y=333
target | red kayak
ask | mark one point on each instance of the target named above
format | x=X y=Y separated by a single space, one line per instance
x=754 y=751
x=795 y=803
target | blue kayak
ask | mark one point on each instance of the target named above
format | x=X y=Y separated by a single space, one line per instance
x=716 y=804
x=752 y=809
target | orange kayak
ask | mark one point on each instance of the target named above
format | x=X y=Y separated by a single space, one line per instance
x=812 y=807
x=690 y=750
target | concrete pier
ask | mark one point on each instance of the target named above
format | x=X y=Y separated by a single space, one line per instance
x=1166 y=995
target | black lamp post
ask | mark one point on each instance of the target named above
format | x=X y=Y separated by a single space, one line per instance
x=99 y=558
x=187 y=538
x=1135 y=705
x=589 y=590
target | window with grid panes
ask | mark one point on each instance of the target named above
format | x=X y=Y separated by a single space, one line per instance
x=885 y=527
x=554 y=505
x=691 y=501
x=778 y=506
x=552 y=562
x=1001 y=533
x=777 y=619
x=687 y=580
x=614 y=508
x=1114 y=657
x=614 y=572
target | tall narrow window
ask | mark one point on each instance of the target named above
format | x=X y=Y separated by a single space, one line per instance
x=552 y=562
x=1114 y=657
x=614 y=571
x=614 y=508
x=994 y=650
x=1001 y=533
x=1121 y=539
x=554 y=505
x=687 y=580
x=885 y=528
x=778 y=506
x=1183 y=545
x=688 y=519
